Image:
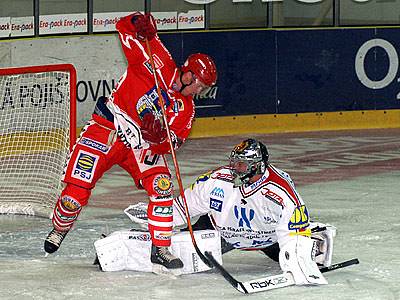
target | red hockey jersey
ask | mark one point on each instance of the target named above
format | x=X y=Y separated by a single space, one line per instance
x=136 y=92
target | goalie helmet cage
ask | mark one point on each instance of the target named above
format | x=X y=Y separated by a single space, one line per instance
x=37 y=131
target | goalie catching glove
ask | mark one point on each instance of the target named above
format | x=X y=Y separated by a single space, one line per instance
x=322 y=235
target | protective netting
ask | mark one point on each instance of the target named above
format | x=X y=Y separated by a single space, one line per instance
x=34 y=140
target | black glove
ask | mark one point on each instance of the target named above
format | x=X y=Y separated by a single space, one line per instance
x=151 y=129
x=145 y=26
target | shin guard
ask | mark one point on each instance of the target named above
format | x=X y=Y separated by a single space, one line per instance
x=68 y=207
x=159 y=211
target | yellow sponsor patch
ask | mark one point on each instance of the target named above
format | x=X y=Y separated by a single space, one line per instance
x=201 y=178
x=86 y=162
x=70 y=203
x=162 y=185
x=299 y=219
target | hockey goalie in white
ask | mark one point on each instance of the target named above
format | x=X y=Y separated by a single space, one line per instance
x=251 y=205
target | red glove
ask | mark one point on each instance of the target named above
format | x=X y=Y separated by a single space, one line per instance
x=151 y=129
x=145 y=26
x=164 y=147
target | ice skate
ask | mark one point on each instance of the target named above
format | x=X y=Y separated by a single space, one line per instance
x=54 y=240
x=164 y=261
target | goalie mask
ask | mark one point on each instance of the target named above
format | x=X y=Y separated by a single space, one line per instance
x=247 y=159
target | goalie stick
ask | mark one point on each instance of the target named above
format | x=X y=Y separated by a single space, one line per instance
x=270 y=282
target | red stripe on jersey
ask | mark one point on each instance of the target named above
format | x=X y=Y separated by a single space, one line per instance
x=274 y=176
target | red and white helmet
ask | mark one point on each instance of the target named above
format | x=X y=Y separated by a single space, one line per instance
x=202 y=66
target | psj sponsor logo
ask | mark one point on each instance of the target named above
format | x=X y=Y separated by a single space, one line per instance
x=85 y=166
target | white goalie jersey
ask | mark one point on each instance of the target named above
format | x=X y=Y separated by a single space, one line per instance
x=255 y=216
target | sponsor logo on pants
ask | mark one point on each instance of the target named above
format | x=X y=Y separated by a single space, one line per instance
x=162 y=211
x=162 y=235
x=85 y=166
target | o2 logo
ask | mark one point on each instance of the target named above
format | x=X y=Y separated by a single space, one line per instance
x=391 y=72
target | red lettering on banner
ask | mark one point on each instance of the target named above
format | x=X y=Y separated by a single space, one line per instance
x=5 y=26
x=43 y=24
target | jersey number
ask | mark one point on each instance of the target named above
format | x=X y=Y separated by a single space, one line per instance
x=151 y=159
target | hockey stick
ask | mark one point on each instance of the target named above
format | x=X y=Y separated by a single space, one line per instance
x=174 y=159
x=270 y=282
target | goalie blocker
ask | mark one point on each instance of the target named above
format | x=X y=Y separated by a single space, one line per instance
x=129 y=250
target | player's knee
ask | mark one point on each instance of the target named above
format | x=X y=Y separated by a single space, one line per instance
x=74 y=197
x=159 y=187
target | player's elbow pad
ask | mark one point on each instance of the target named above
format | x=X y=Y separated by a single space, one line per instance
x=296 y=257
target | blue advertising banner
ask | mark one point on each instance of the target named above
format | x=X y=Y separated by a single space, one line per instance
x=321 y=70
x=246 y=70
x=295 y=71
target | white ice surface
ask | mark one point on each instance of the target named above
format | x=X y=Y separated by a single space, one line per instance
x=365 y=210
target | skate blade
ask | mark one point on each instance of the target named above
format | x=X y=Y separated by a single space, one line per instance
x=161 y=270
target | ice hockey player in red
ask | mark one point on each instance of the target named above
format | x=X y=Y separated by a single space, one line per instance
x=127 y=129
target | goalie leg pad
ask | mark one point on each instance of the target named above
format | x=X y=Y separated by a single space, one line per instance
x=296 y=257
x=130 y=250
x=68 y=206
